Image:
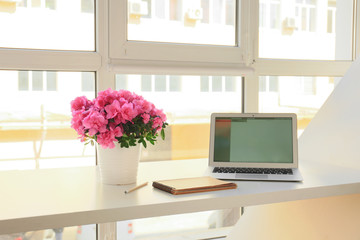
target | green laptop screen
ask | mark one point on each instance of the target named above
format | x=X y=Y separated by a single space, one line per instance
x=253 y=140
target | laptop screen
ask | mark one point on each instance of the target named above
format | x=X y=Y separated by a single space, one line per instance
x=253 y=140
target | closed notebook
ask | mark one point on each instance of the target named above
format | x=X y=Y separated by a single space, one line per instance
x=193 y=185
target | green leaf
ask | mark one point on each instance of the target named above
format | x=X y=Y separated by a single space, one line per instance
x=144 y=143
x=163 y=134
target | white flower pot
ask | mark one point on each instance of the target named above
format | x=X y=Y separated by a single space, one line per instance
x=118 y=165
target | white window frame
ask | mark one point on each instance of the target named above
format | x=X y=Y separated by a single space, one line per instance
x=293 y=67
x=174 y=57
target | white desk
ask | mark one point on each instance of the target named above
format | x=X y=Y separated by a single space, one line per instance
x=51 y=198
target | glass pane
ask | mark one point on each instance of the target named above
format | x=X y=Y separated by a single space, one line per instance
x=183 y=21
x=48 y=24
x=301 y=95
x=316 y=29
x=35 y=128
x=188 y=110
x=200 y=225
x=85 y=232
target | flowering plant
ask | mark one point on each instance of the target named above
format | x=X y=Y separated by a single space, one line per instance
x=117 y=116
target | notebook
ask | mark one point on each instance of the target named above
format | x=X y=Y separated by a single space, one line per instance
x=193 y=185
x=254 y=146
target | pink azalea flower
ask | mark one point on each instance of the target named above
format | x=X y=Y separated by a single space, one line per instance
x=112 y=114
x=146 y=117
x=143 y=106
x=157 y=122
x=106 y=139
x=118 y=131
x=112 y=109
x=127 y=95
x=80 y=104
x=128 y=112
x=95 y=122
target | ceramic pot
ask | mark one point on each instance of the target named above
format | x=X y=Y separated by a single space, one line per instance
x=118 y=165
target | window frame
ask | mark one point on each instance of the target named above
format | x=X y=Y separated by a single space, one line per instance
x=173 y=56
x=293 y=67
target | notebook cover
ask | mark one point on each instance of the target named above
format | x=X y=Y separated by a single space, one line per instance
x=193 y=185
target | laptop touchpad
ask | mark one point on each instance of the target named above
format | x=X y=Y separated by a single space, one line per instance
x=251 y=176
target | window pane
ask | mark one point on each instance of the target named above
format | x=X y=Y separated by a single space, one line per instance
x=188 y=111
x=87 y=232
x=301 y=95
x=317 y=29
x=183 y=21
x=38 y=121
x=199 y=225
x=50 y=24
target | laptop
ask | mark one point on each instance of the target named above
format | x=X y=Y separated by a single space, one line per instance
x=254 y=146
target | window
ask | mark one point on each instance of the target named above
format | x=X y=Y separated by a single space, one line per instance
x=306 y=29
x=188 y=108
x=193 y=32
x=87 y=232
x=40 y=122
x=300 y=95
x=45 y=46
x=180 y=21
x=48 y=24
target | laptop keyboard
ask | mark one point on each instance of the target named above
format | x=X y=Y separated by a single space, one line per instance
x=253 y=170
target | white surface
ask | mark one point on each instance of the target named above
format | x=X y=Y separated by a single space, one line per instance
x=41 y=199
x=333 y=135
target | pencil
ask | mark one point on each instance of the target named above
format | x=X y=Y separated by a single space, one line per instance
x=137 y=187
